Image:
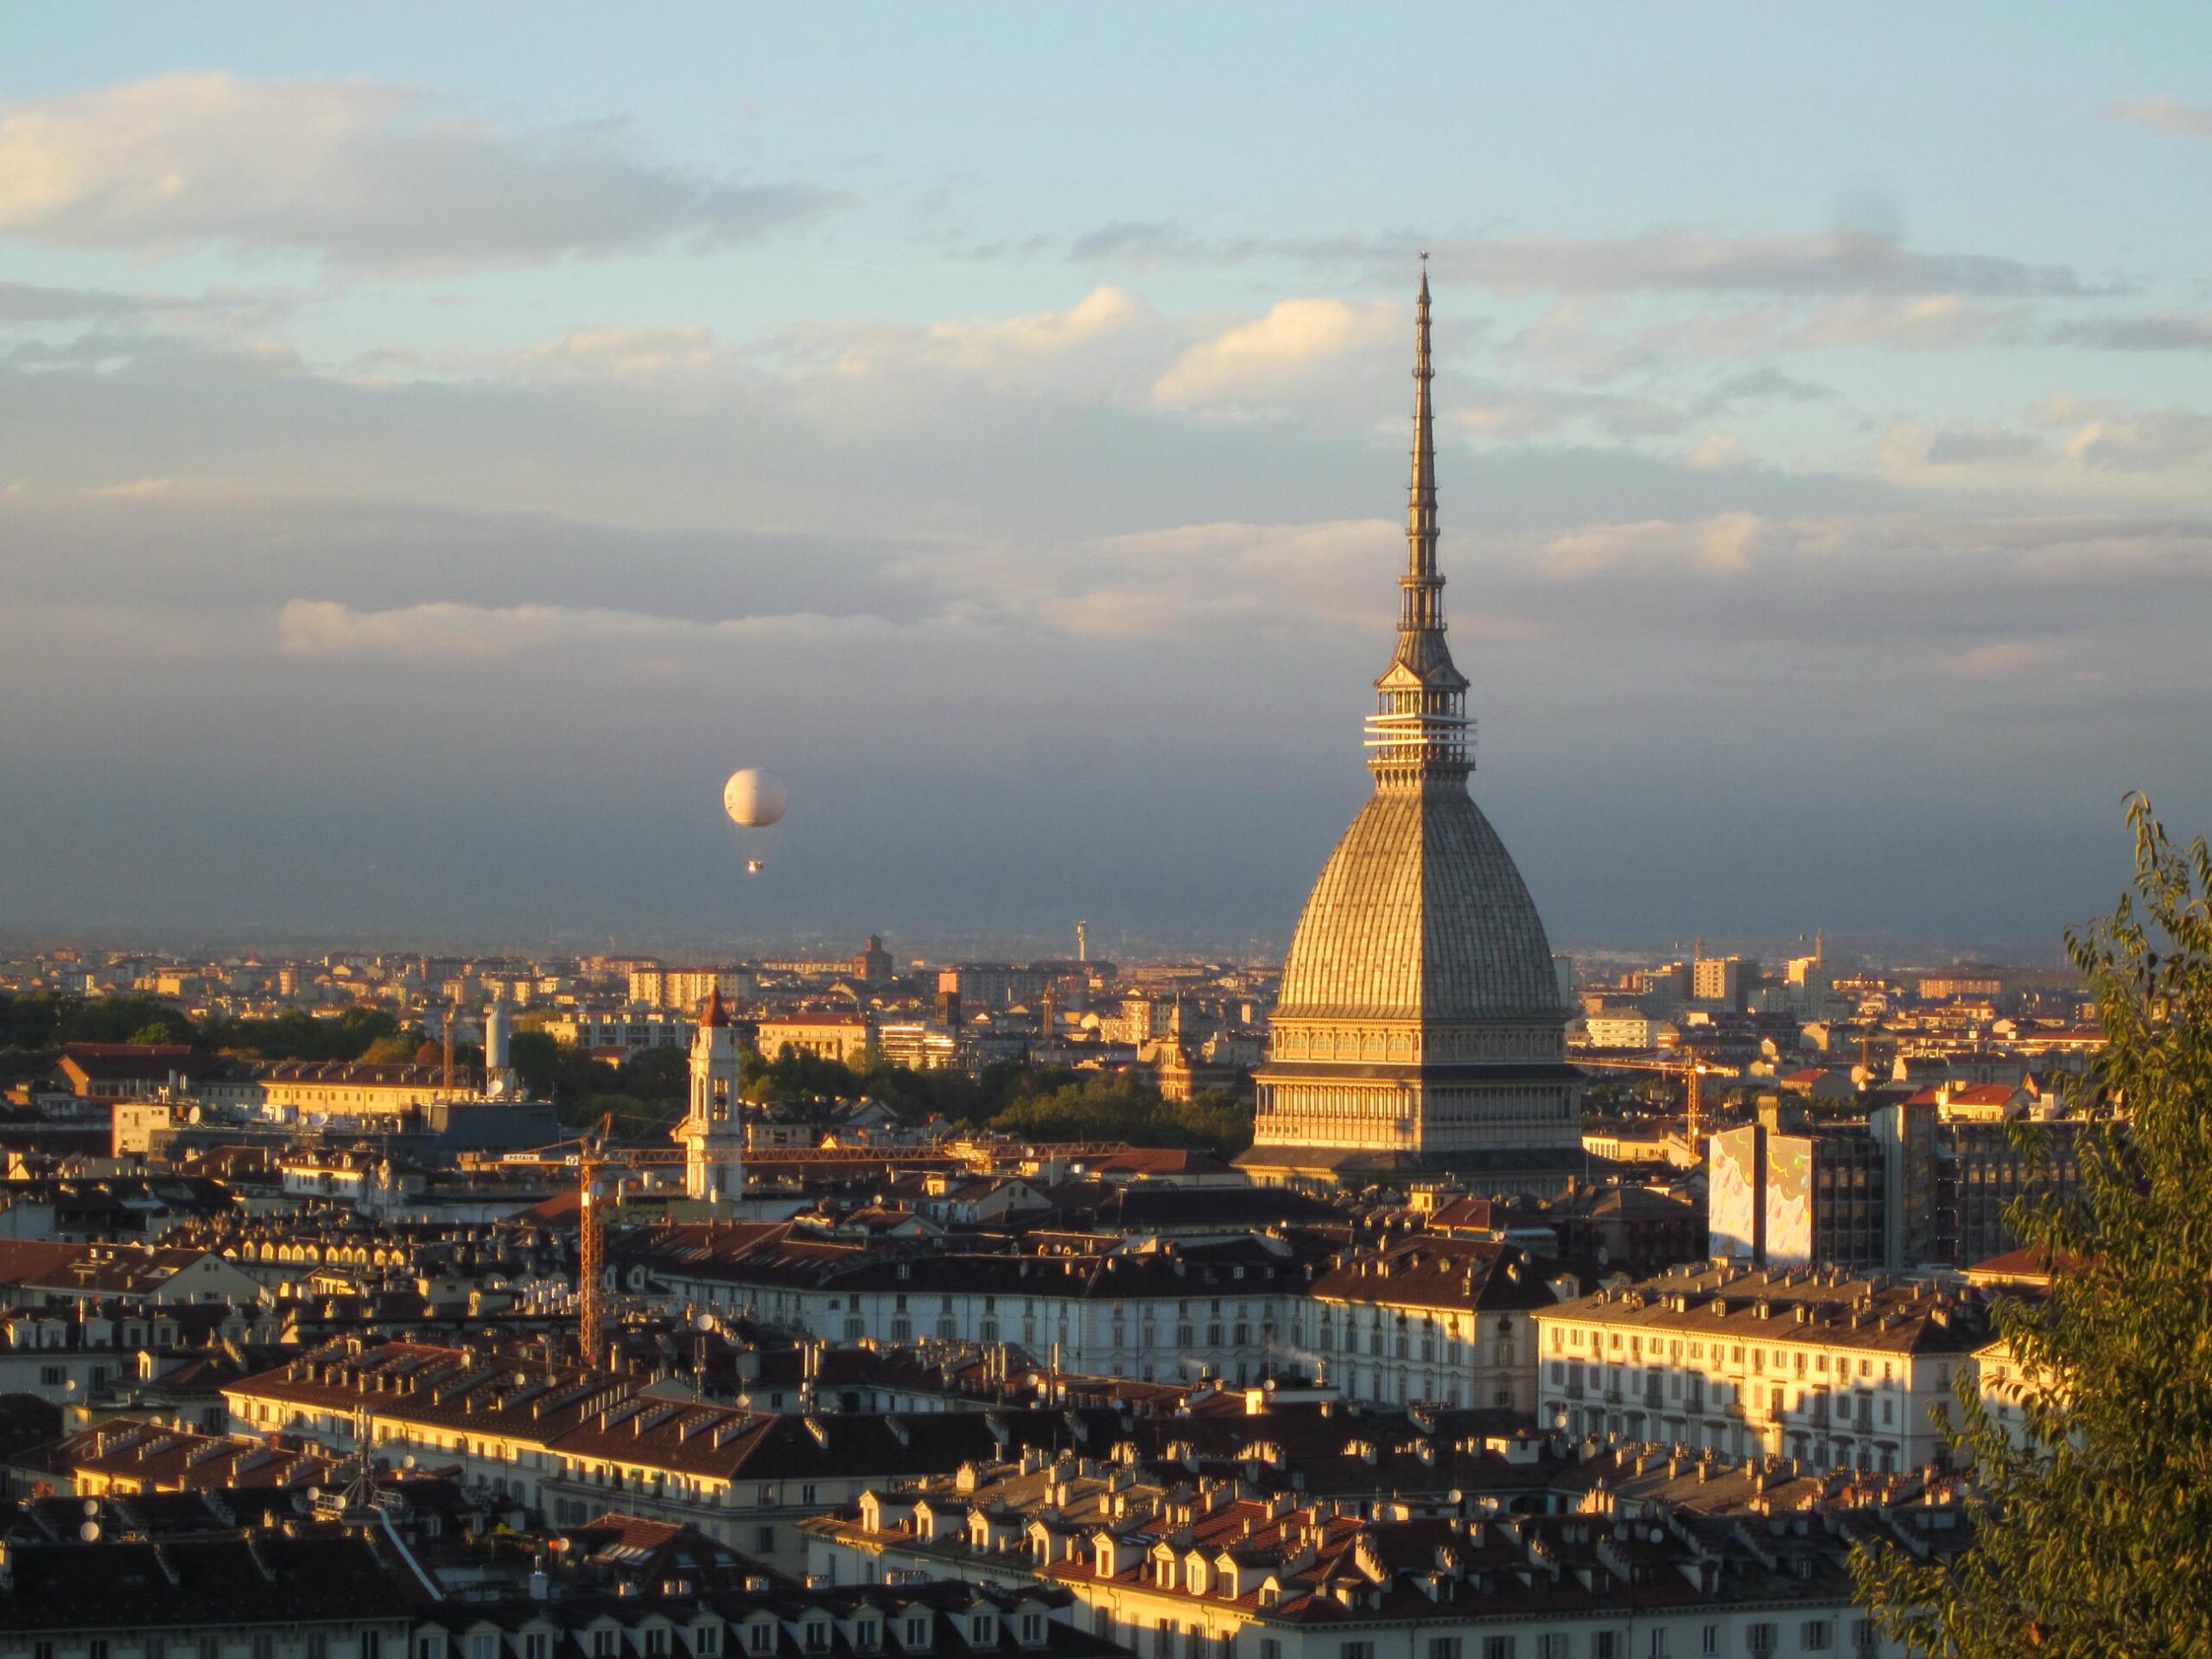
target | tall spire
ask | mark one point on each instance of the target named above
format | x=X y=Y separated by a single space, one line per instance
x=1422 y=586
x=1418 y=730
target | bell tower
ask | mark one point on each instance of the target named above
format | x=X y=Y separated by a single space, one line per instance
x=714 y=1134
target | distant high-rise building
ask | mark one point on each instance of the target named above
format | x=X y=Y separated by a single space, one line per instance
x=687 y=989
x=1420 y=1025
x=1724 y=980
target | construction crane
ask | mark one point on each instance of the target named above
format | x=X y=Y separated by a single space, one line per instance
x=591 y=1241
x=593 y=1157
x=1691 y=1071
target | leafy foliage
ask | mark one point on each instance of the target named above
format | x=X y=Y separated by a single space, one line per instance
x=651 y=1088
x=1120 y=1108
x=49 y=1018
x=296 y=1034
x=792 y=1076
x=1043 y=1103
x=2094 y=1521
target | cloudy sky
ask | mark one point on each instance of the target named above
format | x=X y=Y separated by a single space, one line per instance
x=436 y=447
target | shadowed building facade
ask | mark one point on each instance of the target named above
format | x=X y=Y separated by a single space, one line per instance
x=1419 y=1030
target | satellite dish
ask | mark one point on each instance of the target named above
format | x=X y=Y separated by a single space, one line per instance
x=755 y=802
x=407 y=1462
x=89 y=1533
x=91 y=1509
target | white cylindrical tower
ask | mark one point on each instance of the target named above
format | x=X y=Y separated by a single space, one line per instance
x=498 y=1071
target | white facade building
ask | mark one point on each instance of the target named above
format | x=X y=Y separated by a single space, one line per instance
x=1834 y=1370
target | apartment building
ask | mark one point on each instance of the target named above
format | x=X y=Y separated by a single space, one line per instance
x=1822 y=1366
x=626 y=1029
x=1429 y=1318
x=1214 y=1569
x=96 y=1581
x=569 y=1443
x=1160 y=1313
x=847 y=1037
x=686 y=990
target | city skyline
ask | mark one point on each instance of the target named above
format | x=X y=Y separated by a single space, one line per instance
x=432 y=469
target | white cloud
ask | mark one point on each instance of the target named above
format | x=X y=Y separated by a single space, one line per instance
x=2073 y=437
x=361 y=173
x=1915 y=450
x=309 y=627
x=2005 y=659
x=1278 y=357
x=1173 y=583
x=30 y=304
x=2164 y=331
x=1722 y=545
x=1932 y=322
x=1106 y=345
x=1107 y=311
x=1179 y=581
x=1665 y=258
x=2167 y=116
x=1682 y=259
x=622 y=353
x=1719 y=451
x=2149 y=441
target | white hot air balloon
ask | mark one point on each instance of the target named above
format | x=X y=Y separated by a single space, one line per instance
x=753 y=800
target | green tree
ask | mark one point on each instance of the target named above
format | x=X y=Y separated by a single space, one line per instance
x=795 y=1076
x=1123 y=1108
x=2093 y=1532
x=394 y=1050
x=580 y=1088
x=128 y=1018
x=41 y=1019
x=296 y=1034
x=658 y=1077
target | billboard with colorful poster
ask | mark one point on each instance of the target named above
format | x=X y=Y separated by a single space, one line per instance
x=1789 y=1200
x=1732 y=1196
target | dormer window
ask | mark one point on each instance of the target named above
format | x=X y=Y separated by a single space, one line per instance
x=866 y=1635
x=817 y=1635
x=707 y=1640
x=1033 y=1628
x=983 y=1627
x=761 y=1637
x=917 y=1632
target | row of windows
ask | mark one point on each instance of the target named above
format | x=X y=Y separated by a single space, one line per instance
x=1784 y=1358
